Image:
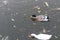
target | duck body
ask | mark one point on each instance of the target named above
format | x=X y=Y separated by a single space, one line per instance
x=42 y=36
x=39 y=18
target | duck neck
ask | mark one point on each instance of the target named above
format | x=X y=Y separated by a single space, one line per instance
x=35 y=36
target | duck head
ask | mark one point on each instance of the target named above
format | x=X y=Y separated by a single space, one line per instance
x=32 y=35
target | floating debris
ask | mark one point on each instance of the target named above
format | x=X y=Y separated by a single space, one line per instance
x=44 y=30
x=46 y=4
x=5 y=2
x=39 y=11
x=37 y=7
x=6 y=38
x=0 y=35
x=12 y=19
x=56 y=9
x=14 y=26
x=3 y=38
x=56 y=37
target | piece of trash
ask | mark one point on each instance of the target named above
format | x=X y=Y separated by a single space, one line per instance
x=46 y=4
x=56 y=37
x=12 y=19
x=39 y=11
x=41 y=36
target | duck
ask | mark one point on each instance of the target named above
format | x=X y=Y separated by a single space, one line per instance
x=39 y=18
x=40 y=36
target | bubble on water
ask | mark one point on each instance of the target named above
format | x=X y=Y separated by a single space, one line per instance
x=5 y=2
x=14 y=26
x=12 y=19
x=17 y=13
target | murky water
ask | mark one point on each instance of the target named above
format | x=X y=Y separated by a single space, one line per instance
x=15 y=21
